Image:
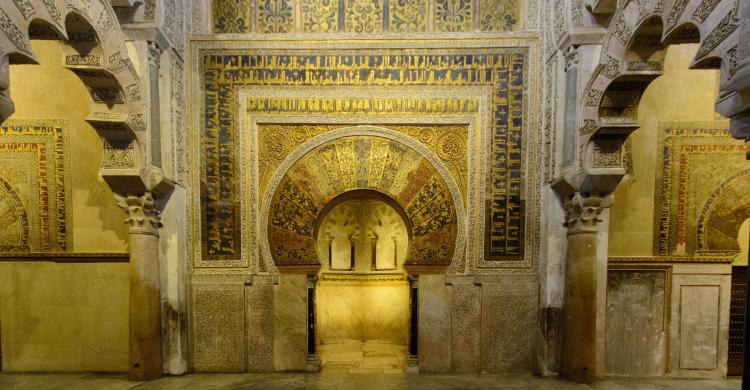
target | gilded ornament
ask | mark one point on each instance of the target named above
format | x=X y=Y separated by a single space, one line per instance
x=364 y=16
x=275 y=16
x=454 y=15
x=320 y=15
x=407 y=15
x=498 y=15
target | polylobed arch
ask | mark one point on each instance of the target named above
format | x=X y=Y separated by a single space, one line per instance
x=308 y=182
x=94 y=48
x=631 y=58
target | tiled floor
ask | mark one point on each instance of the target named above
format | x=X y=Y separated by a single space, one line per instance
x=338 y=381
x=356 y=357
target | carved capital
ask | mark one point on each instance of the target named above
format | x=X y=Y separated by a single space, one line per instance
x=143 y=217
x=154 y=55
x=572 y=57
x=413 y=280
x=582 y=212
x=312 y=280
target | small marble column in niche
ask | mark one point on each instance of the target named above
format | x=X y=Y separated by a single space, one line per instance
x=374 y=253
x=330 y=253
x=313 y=361
x=353 y=252
x=412 y=358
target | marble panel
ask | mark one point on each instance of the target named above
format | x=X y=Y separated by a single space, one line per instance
x=699 y=321
x=434 y=324
x=362 y=310
x=509 y=309
x=218 y=327
x=635 y=323
x=63 y=316
x=466 y=318
x=259 y=305
x=699 y=327
x=290 y=323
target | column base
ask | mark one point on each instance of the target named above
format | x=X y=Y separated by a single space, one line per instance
x=312 y=364
x=411 y=364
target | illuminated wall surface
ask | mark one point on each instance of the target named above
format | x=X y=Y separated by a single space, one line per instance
x=452 y=109
x=58 y=316
x=684 y=194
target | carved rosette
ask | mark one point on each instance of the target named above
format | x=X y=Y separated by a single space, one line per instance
x=582 y=211
x=143 y=215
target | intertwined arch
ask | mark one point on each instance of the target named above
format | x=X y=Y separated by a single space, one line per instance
x=94 y=48
x=632 y=56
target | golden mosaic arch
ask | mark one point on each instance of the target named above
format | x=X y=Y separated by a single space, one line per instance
x=363 y=158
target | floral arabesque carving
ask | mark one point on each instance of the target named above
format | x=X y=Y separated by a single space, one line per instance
x=143 y=215
x=582 y=211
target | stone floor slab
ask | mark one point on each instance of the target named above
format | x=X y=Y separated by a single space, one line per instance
x=332 y=380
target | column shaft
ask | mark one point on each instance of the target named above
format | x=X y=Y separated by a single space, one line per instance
x=579 y=335
x=145 y=308
x=145 y=290
x=579 y=309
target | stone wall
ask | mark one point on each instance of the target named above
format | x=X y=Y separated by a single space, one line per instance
x=60 y=313
x=667 y=308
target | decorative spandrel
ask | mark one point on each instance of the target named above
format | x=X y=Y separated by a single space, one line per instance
x=14 y=223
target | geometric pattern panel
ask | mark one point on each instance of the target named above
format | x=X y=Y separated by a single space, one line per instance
x=700 y=168
x=363 y=16
x=223 y=71
x=34 y=190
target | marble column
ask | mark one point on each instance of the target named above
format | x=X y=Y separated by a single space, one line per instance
x=145 y=295
x=412 y=358
x=579 y=312
x=313 y=361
